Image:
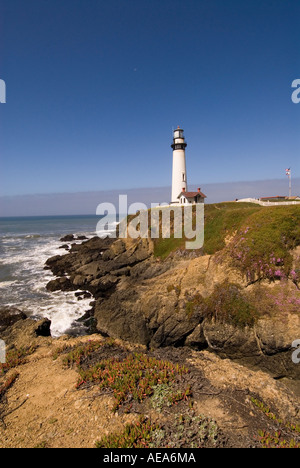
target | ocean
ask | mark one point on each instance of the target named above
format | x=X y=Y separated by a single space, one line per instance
x=25 y=245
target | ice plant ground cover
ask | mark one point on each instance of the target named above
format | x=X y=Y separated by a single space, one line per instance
x=164 y=407
x=134 y=378
x=137 y=377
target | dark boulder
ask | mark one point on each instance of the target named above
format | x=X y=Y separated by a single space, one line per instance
x=9 y=316
x=68 y=238
x=60 y=284
x=122 y=319
x=43 y=328
x=64 y=246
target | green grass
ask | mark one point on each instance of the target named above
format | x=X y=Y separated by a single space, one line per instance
x=131 y=378
x=221 y=220
x=75 y=354
x=164 y=247
x=188 y=430
x=282 y=438
x=276 y=440
x=257 y=240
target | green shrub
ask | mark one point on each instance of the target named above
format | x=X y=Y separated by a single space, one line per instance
x=195 y=304
x=228 y=304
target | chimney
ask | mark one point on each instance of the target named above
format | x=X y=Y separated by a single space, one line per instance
x=199 y=190
x=183 y=189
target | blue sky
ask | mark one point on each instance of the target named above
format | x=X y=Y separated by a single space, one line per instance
x=94 y=88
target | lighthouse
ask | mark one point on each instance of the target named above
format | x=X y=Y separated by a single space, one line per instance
x=179 y=178
x=180 y=193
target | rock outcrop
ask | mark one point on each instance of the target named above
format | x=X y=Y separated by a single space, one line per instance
x=9 y=316
x=22 y=332
x=155 y=303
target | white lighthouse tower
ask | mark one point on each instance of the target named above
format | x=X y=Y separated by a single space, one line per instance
x=179 y=178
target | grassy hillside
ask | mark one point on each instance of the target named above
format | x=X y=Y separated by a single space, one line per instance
x=221 y=221
x=264 y=246
x=258 y=240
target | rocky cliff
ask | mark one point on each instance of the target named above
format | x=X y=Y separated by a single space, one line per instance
x=190 y=298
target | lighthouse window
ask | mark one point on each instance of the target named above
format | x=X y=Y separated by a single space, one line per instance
x=183 y=177
x=178 y=134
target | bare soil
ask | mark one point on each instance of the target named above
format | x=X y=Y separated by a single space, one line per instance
x=43 y=408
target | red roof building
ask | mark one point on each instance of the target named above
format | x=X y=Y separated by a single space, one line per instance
x=191 y=197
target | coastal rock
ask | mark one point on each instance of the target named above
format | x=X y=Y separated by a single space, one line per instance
x=83 y=294
x=24 y=333
x=102 y=285
x=65 y=246
x=230 y=341
x=68 y=238
x=122 y=318
x=92 y=261
x=42 y=327
x=159 y=308
x=156 y=303
x=60 y=284
x=9 y=316
x=277 y=333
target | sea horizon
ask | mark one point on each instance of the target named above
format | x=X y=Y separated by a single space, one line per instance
x=26 y=242
x=85 y=203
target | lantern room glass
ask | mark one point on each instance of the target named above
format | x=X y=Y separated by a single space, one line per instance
x=178 y=134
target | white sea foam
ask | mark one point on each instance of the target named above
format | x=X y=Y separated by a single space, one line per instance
x=62 y=308
x=6 y=284
x=26 y=287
